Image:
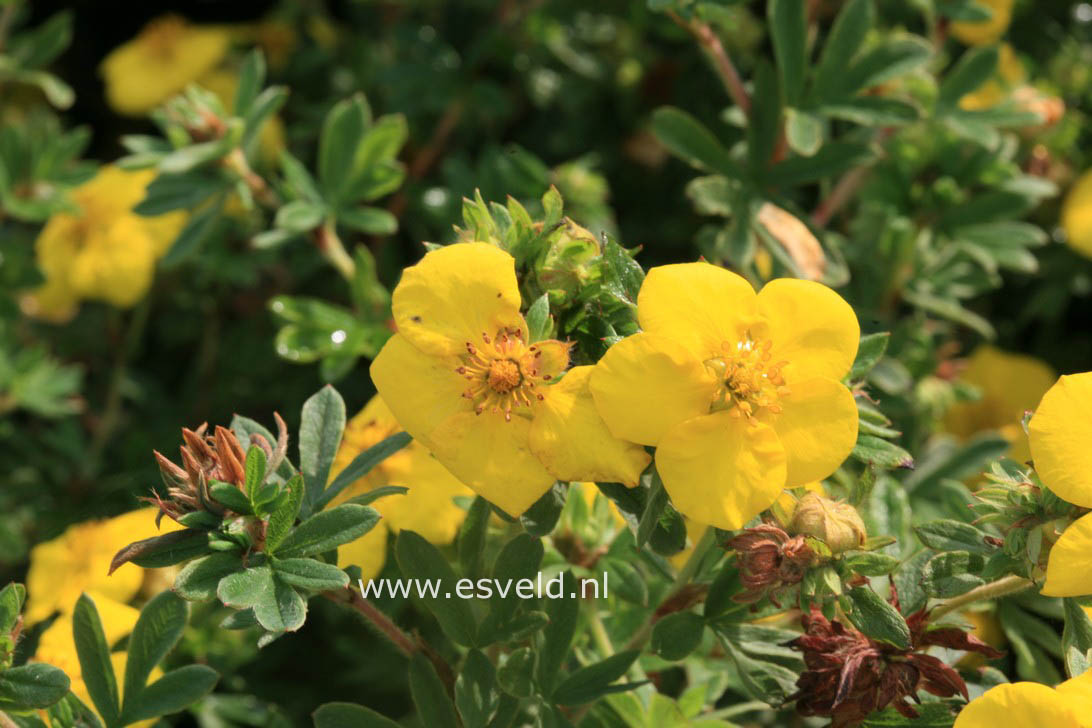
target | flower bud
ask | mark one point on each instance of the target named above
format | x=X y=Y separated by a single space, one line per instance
x=838 y=525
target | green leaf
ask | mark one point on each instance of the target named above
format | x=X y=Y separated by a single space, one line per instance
x=370 y=220
x=157 y=631
x=277 y=606
x=873 y=111
x=950 y=535
x=254 y=470
x=375 y=494
x=764 y=126
x=788 y=30
x=803 y=131
x=283 y=517
x=677 y=635
x=327 y=530
x=197 y=581
x=165 y=550
x=321 y=426
x=476 y=694
x=973 y=69
x=189 y=158
x=519 y=559
x=890 y=59
x=12 y=598
x=763 y=680
x=298 y=179
x=229 y=495
x=470 y=541
x=871 y=563
x=94 y=655
x=687 y=139
x=32 y=687
x=538 y=318
x=874 y=451
x=251 y=78
x=830 y=161
x=542 y=516
x=870 y=350
x=878 y=619
x=653 y=511
x=592 y=681
x=557 y=637
x=265 y=106
x=953 y=573
x=348 y=715
x=341 y=133
x=361 y=465
x=300 y=216
x=169 y=192
x=434 y=708
x=930 y=715
x=1076 y=638
x=174 y=692
x=310 y=574
x=420 y=560
x=844 y=42
x=197 y=230
x=516 y=674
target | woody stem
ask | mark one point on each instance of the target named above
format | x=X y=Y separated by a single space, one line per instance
x=382 y=623
x=994 y=590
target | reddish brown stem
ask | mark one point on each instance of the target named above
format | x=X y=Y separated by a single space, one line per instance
x=718 y=56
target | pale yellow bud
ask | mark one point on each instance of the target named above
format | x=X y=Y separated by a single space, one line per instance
x=836 y=524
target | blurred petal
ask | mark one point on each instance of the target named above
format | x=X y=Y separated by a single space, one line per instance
x=811 y=327
x=817 y=427
x=422 y=391
x=573 y=442
x=369 y=552
x=721 y=470
x=1017 y=705
x=1060 y=434
x=493 y=457
x=699 y=305
x=1069 y=566
x=454 y=295
x=645 y=384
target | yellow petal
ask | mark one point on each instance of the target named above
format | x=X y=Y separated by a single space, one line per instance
x=817 y=427
x=699 y=305
x=456 y=294
x=1060 y=433
x=421 y=390
x=811 y=327
x=429 y=507
x=369 y=552
x=1077 y=215
x=721 y=470
x=984 y=32
x=493 y=457
x=646 y=383
x=1069 y=567
x=573 y=442
x=1077 y=693
x=1017 y=705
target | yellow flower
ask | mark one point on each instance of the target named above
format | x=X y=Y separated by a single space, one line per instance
x=1031 y=705
x=106 y=252
x=271 y=138
x=462 y=378
x=428 y=508
x=1011 y=384
x=1077 y=215
x=78 y=560
x=738 y=392
x=57 y=647
x=985 y=32
x=1060 y=432
x=277 y=39
x=167 y=55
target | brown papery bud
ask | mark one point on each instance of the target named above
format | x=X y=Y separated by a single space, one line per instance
x=836 y=524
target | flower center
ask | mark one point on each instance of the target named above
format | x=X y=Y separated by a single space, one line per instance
x=749 y=381
x=503 y=372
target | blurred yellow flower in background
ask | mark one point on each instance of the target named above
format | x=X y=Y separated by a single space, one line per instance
x=1077 y=215
x=1009 y=75
x=1010 y=384
x=104 y=252
x=164 y=58
x=984 y=32
x=78 y=561
x=738 y=391
x=463 y=378
x=428 y=508
x=1031 y=705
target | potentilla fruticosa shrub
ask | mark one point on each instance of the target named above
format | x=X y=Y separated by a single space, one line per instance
x=678 y=364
